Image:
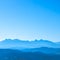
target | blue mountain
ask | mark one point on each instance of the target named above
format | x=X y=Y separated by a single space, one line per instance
x=19 y=44
x=29 y=50
x=45 y=50
x=9 y=54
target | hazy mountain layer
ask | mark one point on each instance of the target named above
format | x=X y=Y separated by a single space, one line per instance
x=19 y=44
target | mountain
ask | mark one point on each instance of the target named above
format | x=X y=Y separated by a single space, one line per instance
x=29 y=50
x=19 y=44
x=9 y=54
x=45 y=50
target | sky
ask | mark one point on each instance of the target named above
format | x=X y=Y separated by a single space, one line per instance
x=30 y=19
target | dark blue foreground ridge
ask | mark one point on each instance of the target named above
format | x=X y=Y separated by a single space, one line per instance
x=10 y=54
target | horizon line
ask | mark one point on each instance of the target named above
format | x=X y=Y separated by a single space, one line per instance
x=29 y=40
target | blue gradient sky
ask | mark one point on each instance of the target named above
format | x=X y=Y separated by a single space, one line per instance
x=30 y=19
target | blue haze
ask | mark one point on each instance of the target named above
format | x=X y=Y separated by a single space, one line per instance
x=30 y=19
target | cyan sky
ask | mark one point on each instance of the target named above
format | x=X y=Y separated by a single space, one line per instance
x=30 y=19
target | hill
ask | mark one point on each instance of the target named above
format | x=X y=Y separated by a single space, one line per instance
x=9 y=54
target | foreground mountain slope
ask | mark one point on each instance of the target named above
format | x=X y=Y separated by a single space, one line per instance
x=8 y=54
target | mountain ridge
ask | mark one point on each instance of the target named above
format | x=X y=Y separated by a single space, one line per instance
x=9 y=43
x=9 y=54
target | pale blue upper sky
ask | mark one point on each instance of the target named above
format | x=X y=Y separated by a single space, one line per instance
x=30 y=19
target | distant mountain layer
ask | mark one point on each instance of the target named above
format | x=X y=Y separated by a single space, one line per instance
x=43 y=50
x=8 y=54
x=19 y=44
x=8 y=43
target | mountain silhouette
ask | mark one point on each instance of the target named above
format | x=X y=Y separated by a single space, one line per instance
x=45 y=50
x=19 y=44
x=29 y=50
x=9 y=54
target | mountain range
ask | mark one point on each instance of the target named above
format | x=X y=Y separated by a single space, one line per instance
x=16 y=43
x=19 y=44
x=29 y=50
x=9 y=54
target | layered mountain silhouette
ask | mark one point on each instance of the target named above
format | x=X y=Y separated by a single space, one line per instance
x=8 y=54
x=45 y=50
x=29 y=50
x=19 y=44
